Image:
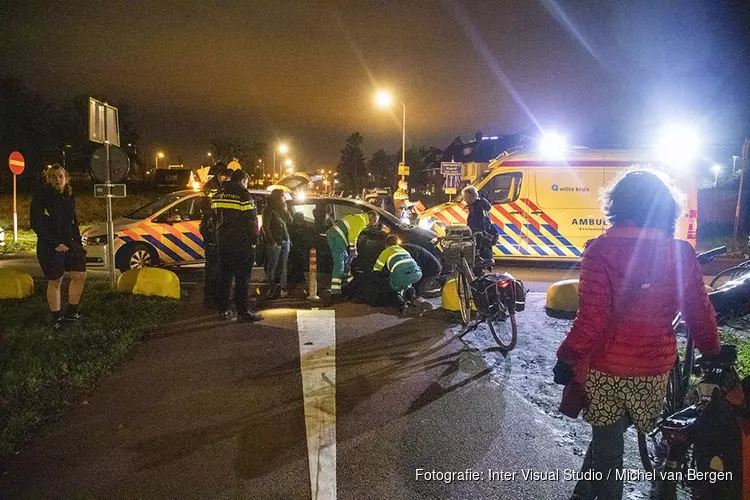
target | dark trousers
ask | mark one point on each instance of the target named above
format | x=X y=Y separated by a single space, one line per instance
x=211 y=273
x=604 y=455
x=430 y=271
x=235 y=263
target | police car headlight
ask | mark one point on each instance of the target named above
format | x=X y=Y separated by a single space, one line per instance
x=95 y=240
x=426 y=223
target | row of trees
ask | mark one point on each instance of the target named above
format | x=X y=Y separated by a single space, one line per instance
x=355 y=172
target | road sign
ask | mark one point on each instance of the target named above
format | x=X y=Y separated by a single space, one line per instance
x=104 y=125
x=16 y=163
x=451 y=168
x=451 y=183
x=119 y=164
x=110 y=191
x=234 y=165
x=403 y=169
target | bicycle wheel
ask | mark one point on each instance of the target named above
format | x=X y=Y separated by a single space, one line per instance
x=463 y=277
x=728 y=275
x=653 y=447
x=504 y=329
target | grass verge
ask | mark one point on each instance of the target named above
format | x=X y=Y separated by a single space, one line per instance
x=730 y=335
x=26 y=241
x=41 y=369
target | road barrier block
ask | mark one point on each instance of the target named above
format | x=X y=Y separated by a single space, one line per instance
x=15 y=284
x=562 y=299
x=150 y=281
x=449 y=299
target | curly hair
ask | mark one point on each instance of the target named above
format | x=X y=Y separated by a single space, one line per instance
x=644 y=197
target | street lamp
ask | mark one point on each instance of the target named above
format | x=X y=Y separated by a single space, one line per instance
x=283 y=149
x=385 y=100
x=734 y=162
x=67 y=146
x=716 y=168
x=158 y=155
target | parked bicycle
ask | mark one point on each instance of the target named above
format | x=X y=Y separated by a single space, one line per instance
x=668 y=449
x=497 y=297
x=732 y=274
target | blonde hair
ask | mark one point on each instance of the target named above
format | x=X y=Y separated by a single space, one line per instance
x=68 y=190
x=470 y=194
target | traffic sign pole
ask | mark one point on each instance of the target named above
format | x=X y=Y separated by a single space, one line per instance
x=110 y=223
x=15 y=212
x=16 y=164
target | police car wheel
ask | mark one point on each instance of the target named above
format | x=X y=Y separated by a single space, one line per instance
x=136 y=256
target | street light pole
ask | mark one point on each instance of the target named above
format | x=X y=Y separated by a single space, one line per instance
x=734 y=163
x=403 y=137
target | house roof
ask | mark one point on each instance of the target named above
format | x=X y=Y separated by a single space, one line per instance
x=481 y=149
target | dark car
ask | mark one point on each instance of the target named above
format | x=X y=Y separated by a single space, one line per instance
x=312 y=216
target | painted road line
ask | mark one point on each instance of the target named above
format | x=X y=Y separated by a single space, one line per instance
x=317 y=350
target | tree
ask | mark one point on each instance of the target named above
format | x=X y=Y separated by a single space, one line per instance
x=382 y=166
x=351 y=166
x=419 y=160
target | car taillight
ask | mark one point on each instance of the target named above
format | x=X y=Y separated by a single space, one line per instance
x=504 y=283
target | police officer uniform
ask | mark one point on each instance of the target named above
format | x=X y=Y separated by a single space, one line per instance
x=211 y=267
x=237 y=234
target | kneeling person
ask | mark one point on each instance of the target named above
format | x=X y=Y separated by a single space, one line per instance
x=404 y=270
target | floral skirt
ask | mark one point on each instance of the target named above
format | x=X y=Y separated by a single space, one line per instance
x=610 y=397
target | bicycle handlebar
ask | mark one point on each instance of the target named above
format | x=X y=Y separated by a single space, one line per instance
x=710 y=255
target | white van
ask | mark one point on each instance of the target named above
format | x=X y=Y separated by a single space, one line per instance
x=548 y=209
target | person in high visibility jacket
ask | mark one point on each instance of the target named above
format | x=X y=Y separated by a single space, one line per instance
x=342 y=239
x=237 y=234
x=211 y=270
x=404 y=270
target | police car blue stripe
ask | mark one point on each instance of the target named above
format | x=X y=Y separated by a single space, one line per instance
x=126 y=239
x=171 y=254
x=545 y=240
x=174 y=239
x=195 y=239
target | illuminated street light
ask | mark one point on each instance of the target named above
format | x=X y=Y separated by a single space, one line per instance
x=552 y=146
x=384 y=100
x=678 y=145
x=158 y=155
x=716 y=168
x=288 y=162
x=290 y=170
x=734 y=162
x=283 y=149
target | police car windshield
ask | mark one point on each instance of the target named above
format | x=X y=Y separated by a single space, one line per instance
x=151 y=208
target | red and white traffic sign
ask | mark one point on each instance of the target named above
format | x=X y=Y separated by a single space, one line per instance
x=16 y=163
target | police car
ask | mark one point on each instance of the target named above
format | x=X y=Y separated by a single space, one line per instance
x=166 y=232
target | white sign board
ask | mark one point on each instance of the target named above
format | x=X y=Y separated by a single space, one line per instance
x=103 y=122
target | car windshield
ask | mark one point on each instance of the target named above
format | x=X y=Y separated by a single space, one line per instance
x=150 y=209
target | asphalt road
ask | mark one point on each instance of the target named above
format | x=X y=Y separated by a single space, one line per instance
x=347 y=402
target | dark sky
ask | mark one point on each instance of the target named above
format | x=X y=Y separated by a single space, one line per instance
x=306 y=72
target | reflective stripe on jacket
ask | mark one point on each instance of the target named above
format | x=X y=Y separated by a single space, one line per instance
x=393 y=257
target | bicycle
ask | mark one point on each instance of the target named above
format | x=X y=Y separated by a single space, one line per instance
x=667 y=449
x=497 y=298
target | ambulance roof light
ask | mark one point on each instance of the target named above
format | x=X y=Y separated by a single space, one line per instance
x=552 y=146
x=678 y=145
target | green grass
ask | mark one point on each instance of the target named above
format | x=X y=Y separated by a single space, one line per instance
x=740 y=339
x=26 y=241
x=41 y=368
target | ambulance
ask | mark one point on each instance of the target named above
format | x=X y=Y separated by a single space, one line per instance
x=547 y=209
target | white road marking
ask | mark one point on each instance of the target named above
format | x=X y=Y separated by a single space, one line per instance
x=317 y=349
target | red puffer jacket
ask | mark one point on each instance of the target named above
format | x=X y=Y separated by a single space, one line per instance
x=647 y=277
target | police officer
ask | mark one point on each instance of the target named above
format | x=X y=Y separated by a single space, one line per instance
x=342 y=239
x=237 y=234
x=221 y=174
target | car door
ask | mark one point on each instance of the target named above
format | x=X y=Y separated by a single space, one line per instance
x=177 y=231
x=504 y=190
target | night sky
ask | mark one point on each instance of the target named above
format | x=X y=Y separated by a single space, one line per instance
x=306 y=72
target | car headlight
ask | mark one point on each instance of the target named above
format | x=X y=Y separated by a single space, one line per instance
x=95 y=240
x=426 y=223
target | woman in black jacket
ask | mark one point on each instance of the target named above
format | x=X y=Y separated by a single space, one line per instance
x=59 y=247
x=276 y=217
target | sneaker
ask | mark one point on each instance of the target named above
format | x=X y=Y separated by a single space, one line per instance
x=284 y=294
x=225 y=315
x=76 y=316
x=249 y=317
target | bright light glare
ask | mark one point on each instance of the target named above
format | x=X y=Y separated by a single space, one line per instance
x=716 y=168
x=288 y=163
x=301 y=195
x=678 y=145
x=290 y=170
x=283 y=149
x=160 y=154
x=383 y=99
x=553 y=146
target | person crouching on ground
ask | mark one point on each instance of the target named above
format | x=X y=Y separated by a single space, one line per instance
x=428 y=263
x=342 y=240
x=402 y=268
x=237 y=235
x=621 y=347
x=59 y=247
x=275 y=219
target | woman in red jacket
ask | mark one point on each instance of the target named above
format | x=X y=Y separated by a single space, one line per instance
x=634 y=279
